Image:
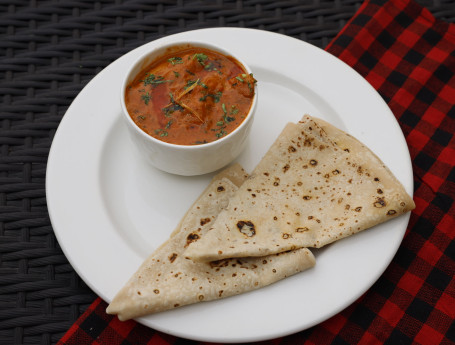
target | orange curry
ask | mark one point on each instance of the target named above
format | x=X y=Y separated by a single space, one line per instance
x=193 y=96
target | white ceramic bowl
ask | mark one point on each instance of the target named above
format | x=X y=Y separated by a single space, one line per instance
x=186 y=160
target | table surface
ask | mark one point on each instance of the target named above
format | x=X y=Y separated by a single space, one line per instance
x=49 y=50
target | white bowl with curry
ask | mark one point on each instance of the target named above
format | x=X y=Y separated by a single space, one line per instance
x=189 y=107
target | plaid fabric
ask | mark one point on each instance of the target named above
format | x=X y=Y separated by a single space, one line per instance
x=409 y=57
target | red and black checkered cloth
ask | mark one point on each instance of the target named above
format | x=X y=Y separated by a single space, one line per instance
x=409 y=57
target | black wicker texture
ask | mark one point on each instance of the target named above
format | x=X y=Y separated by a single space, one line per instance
x=49 y=50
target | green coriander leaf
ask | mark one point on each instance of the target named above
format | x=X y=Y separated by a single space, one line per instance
x=175 y=60
x=146 y=98
x=201 y=58
x=153 y=80
x=234 y=110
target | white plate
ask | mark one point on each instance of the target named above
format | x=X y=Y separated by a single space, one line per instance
x=109 y=210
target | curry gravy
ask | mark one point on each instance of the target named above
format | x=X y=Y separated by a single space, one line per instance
x=193 y=96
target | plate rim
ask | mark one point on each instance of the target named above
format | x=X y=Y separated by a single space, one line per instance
x=61 y=128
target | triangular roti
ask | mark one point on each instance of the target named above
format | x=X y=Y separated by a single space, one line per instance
x=315 y=185
x=167 y=279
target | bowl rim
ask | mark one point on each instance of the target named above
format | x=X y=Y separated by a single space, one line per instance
x=162 y=50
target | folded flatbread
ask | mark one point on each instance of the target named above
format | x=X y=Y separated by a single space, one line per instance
x=315 y=185
x=167 y=279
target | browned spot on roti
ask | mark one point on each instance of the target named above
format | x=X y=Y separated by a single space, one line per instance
x=220 y=189
x=379 y=203
x=285 y=236
x=219 y=263
x=156 y=291
x=302 y=229
x=358 y=209
x=291 y=149
x=173 y=257
x=313 y=162
x=286 y=168
x=391 y=212
x=307 y=142
x=246 y=227
x=193 y=237
x=306 y=197
x=204 y=221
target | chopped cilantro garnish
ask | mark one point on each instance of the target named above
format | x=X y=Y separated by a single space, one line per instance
x=201 y=58
x=226 y=118
x=190 y=83
x=146 y=98
x=216 y=97
x=220 y=133
x=175 y=60
x=234 y=110
x=153 y=80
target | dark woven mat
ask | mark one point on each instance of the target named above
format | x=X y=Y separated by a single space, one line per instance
x=49 y=50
